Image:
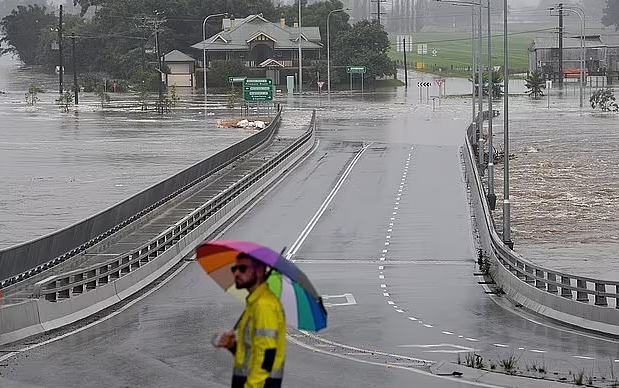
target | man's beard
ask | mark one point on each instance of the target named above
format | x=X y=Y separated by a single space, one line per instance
x=248 y=284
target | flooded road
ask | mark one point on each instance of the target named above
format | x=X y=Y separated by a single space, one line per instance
x=60 y=168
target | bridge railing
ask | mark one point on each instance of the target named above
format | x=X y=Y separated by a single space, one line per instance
x=63 y=286
x=581 y=301
x=22 y=261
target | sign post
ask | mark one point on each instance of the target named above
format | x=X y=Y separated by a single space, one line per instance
x=358 y=70
x=548 y=87
x=257 y=89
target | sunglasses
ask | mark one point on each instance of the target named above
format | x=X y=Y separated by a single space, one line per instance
x=241 y=268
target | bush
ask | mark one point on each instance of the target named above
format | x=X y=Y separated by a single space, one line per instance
x=605 y=100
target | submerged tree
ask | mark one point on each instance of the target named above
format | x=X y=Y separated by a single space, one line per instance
x=535 y=82
x=605 y=100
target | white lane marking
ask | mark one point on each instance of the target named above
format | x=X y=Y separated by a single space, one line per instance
x=314 y=220
x=501 y=345
x=352 y=348
x=382 y=259
x=388 y=236
x=387 y=243
x=520 y=348
x=390 y=302
x=384 y=251
x=447 y=332
x=385 y=294
x=381 y=276
x=399 y=310
x=350 y=299
x=105 y=318
x=426 y=325
x=471 y=339
x=381 y=267
x=383 y=286
x=537 y=351
x=460 y=336
x=412 y=318
x=584 y=357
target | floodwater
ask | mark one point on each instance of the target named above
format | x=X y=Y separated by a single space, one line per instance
x=59 y=168
x=564 y=184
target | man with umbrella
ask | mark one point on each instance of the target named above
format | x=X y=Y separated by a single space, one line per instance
x=260 y=350
x=274 y=299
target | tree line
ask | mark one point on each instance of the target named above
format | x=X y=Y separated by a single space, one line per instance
x=116 y=38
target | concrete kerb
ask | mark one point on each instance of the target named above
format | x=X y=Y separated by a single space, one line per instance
x=34 y=317
x=573 y=313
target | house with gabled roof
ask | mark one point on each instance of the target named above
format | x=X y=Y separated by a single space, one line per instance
x=182 y=69
x=261 y=44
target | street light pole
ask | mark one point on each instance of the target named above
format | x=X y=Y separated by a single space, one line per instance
x=491 y=195
x=480 y=91
x=204 y=66
x=329 y=50
x=300 y=54
x=474 y=103
x=581 y=15
x=506 y=206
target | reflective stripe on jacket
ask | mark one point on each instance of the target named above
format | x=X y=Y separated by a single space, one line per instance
x=261 y=342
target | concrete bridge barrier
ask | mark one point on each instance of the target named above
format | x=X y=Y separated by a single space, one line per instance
x=69 y=297
x=586 y=303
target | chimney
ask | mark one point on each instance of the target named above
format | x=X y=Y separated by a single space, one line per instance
x=225 y=24
x=296 y=23
x=282 y=21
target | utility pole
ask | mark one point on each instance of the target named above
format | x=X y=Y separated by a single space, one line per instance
x=75 y=87
x=560 y=7
x=60 y=70
x=300 y=55
x=157 y=22
x=159 y=83
x=378 y=11
x=405 y=64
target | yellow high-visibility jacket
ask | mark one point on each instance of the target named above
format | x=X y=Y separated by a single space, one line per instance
x=261 y=342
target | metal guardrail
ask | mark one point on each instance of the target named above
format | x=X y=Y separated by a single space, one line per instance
x=22 y=261
x=595 y=292
x=77 y=282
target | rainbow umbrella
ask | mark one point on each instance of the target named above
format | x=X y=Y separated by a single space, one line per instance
x=302 y=304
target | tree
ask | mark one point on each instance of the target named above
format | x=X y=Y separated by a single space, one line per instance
x=65 y=101
x=605 y=100
x=315 y=15
x=22 y=31
x=365 y=44
x=611 y=14
x=221 y=70
x=32 y=96
x=102 y=94
x=497 y=84
x=535 y=82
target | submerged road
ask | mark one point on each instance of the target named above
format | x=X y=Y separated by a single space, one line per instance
x=378 y=218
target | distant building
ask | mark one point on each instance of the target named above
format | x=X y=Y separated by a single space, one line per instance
x=182 y=69
x=601 y=56
x=261 y=44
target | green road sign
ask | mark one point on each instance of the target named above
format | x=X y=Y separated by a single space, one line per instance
x=236 y=80
x=355 y=69
x=258 y=89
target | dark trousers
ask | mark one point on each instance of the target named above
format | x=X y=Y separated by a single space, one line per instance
x=239 y=382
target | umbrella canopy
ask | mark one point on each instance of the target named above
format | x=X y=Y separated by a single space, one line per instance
x=302 y=304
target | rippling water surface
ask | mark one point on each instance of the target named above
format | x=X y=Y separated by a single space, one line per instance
x=59 y=168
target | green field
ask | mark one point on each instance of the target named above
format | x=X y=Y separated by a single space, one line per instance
x=454 y=51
